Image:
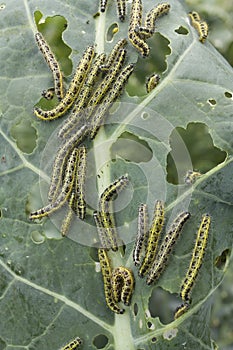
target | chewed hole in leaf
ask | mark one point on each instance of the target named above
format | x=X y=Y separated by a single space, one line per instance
x=145 y=115
x=94 y=254
x=100 y=341
x=52 y=28
x=182 y=30
x=228 y=94
x=198 y=144
x=135 y=309
x=222 y=260
x=153 y=340
x=112 y=30
x=150 y=325
x=155 y=63
x=161 y=304
x=2 y=6
x=131 y=148
x=25 y=135
x=212 y=101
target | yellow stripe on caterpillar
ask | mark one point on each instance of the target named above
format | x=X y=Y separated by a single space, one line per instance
x=107 y=275
x=65 y=190
x=141 y=239
x=122 y=284
x=166 y=247
x=153 y=238
x=73 y=344
x=52 y=63
x=197 y=259
x=73 y=90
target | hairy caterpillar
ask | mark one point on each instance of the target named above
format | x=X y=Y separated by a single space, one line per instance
x=52 y=63
x=200 y=26
x=122 y=284
x=65 y=190
x=48 y=94
x=114 y=92
x=107 y=275
x=155 y=13
x=104 y=242
x=141 y=239
x=191 y=177
x=103 y=4
x=109 y=78
x=181 y=310
x=113 y=54
x=197 y=258
x=73 y=344
x=135 y=22
x=153 y=238
x=166 y=247
x=152 y=82
x=60 y=161
x=121 y=8
x=73 y=90
x=83 y=97
x=69 y=216
x=111 y=191
x=80 y=205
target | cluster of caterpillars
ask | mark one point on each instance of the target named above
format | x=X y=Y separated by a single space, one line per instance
x=151 y=253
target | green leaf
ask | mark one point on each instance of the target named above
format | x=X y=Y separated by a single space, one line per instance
x=51 y=289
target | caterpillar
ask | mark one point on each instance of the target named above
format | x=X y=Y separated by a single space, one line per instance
x=73 y=91
x=69 y=216
x=60 y=161
x=82 y=101
x=121 y=8
x=104 y=242
x=152 y=82
x=181 y=310
x=197 y=258
x=52 y=63
x=153 y=238
x=113 y=54
x=122 y=284
x=109 y=230
x=80 y=208
x=135 y=22
x=166 y=247
x=141 y=239
x=48 y=94
x=111 y=191
x=155 y=13
x=65 y=190
x=109 y=78
x=139 y=43
x=114 y=92
x=107 y=275
x=191 y=177
x=73 y=344
x=103 y=4
x=200 y=26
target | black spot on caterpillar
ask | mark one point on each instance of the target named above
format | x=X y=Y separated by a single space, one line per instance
x=122 y=284
x=73 y=90
x=65 y=190
x=153 y=238
x=152 y=82
x=200 y=26
x=83 y=98
x=98 y=117
x=73 y=344
x=60 y=160
x=52 y=63
x=197 y=258
x=142 y=235
x=107 y=275
x=166 y=247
